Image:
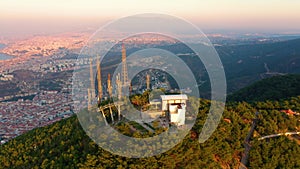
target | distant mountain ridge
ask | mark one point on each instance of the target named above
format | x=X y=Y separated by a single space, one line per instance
x=245 y=64
x=274 y=88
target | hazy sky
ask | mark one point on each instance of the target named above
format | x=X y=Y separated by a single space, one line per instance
x=38 y=16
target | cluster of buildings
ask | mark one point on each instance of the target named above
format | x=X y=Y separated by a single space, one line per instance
x=21 y=116
x=59 y=65
x=6 y=77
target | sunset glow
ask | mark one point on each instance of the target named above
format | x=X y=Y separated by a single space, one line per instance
x=213 y=14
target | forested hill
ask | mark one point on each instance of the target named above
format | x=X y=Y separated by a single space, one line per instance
x=274 y=88
x=245 y=64
x=64 y=144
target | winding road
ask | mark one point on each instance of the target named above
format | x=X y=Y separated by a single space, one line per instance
x=247 y=144
x=279 y=134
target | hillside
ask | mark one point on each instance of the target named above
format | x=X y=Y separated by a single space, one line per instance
x=274 y=88
x=245 y=64
x=65 y=145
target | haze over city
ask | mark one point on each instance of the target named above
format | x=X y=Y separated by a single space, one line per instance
x=53 y=16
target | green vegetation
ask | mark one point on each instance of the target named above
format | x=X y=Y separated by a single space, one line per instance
x=65 y=145
x=274 y=88
x=279 y=152
x=245 y=64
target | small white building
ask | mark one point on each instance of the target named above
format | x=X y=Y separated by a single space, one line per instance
x=166 y=100
x=176 y=107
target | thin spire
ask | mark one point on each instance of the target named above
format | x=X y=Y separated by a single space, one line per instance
x=100 y=92
x=92 y=79
x=148 y=81
x=109 y=87
x=89 y=99
x=119 y=86
x=124 y=66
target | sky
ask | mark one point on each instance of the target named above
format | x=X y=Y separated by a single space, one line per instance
x=45 y=16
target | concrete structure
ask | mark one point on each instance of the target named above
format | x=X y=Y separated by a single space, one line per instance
x=166 y=100
x=177 y=114
x=175 y=105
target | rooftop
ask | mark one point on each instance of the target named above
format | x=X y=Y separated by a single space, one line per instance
x=174 y=97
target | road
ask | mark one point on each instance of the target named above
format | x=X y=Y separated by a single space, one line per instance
x=279 y=134
x=247 y=144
